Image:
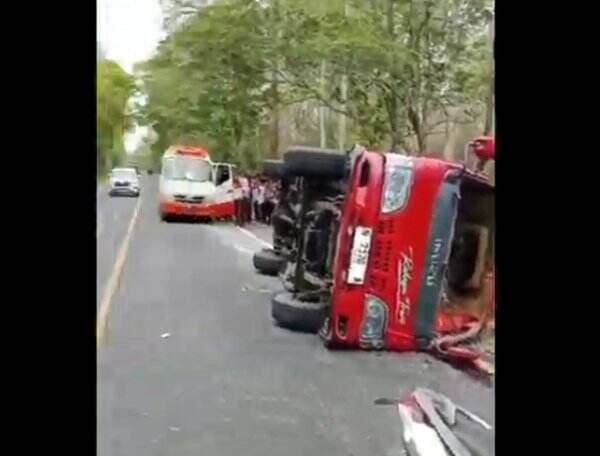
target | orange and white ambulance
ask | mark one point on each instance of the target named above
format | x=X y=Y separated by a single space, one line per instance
x=191 y=185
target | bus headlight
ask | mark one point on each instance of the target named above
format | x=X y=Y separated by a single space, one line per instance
x=373 y=325
x=399 y=172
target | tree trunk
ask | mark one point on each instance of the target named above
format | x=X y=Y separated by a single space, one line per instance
x=344 y=96
x=342 y=117
x=416 y=124
x=275 y=99
x=489 y=105
x=392 y=109
x=392 y=104
x=275 y=120
x=322 y=130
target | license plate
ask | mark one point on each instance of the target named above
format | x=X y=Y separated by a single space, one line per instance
x=359 y=256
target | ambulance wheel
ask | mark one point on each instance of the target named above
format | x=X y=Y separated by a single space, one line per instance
x=291 y=313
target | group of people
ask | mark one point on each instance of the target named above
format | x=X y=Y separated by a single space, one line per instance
x=255 y=199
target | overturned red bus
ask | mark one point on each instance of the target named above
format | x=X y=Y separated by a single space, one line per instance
x=388 y=251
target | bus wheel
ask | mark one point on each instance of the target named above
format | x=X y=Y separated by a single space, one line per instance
x=289 y=312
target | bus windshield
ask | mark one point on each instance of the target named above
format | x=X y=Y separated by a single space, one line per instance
x=187 y=168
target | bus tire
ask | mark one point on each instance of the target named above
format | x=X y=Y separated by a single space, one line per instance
x=267 y=262
x=291 y=313
x=273 y=168
x=314 y=162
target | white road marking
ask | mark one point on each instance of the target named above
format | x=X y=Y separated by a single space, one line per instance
x=220 y=231
x=243 y=250
x=254 y=236
x=98 y=226
x=113 y=281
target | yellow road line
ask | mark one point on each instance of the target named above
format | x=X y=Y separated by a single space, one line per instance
x=114 y=280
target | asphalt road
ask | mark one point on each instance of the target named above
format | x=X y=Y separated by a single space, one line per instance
x=113 y=216
x=226 y=381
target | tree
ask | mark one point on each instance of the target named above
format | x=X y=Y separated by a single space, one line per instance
x=114 y=87
x=414 y=64
x=214 y=92
x=237 y=74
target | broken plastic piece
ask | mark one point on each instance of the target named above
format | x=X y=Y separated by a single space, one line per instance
x=446 y=435
x=426 y=416
x=443 y=405
x=474 y=418
x=420 y=439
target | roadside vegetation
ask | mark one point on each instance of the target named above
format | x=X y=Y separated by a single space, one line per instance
x=114 y=88
x=247 y=78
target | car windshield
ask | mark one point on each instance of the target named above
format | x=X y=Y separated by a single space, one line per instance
x=187 y=168
x=124 y=174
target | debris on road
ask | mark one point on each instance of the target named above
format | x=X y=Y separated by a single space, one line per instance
x=474 y=418
x=427 y=418
x=425 y=402
x=484 y=366
x=420 y=439
x=467 y=341
x=247 y=287
x=165 y=335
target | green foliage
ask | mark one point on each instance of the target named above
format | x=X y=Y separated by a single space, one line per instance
x=204 y=84
x=226 y=71
x=114 y=87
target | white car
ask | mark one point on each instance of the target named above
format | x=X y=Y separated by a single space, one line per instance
x=124 y=181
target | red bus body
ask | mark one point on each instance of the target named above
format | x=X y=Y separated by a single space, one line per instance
x=406 y=261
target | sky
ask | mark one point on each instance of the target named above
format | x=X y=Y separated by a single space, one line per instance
x=128 y=31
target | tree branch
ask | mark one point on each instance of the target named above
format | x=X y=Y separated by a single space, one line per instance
x=314 y=94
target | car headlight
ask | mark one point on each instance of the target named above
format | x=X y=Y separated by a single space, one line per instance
x=399 y=172
x=373 y=326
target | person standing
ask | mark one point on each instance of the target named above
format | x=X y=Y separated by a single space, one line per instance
x=269 y=202
x=256 y=201
x=246 y=204
x=237 y=201
x=261 y=200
